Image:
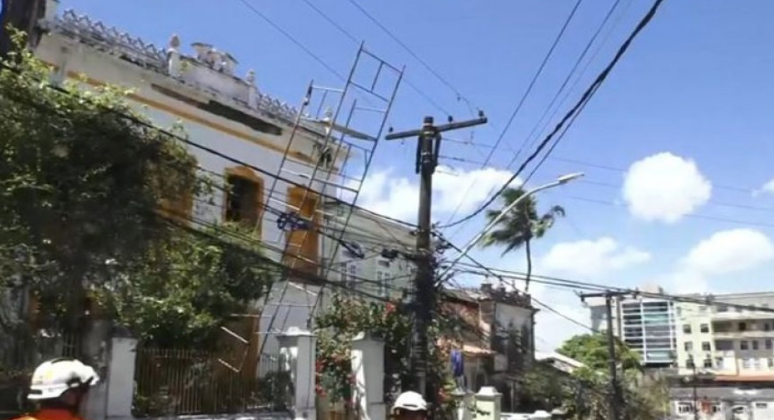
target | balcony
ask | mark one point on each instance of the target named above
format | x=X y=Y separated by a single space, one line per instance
x=740 y=316
x=743 y=335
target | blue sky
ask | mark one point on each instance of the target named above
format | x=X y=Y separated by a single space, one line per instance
x=685 y=116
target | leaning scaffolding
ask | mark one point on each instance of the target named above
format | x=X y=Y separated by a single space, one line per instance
x=341 y=161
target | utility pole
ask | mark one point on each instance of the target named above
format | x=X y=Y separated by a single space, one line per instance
x=615 y=390
x=428 y=147
x=22 y=15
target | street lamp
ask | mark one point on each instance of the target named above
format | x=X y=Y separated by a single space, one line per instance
x=559 y=181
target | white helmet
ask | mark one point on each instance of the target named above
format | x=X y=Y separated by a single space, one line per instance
x=409 y=401
x=55 y=377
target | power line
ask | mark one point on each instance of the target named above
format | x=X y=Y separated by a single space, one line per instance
x=520 y=104
x=292 y=39
x=624 y=170
x=355 y=40
x=692 y=216
x=528 y=142
x=587 y=95
x=411 y=52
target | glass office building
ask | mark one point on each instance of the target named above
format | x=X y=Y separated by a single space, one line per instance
x=648 y=327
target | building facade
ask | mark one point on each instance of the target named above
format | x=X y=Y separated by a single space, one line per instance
x=727 y=341
x=371 y=257
x=497 y=330
x=646 y=325
x=241 y=137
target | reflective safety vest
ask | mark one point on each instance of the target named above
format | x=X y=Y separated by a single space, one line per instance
x=50 y=414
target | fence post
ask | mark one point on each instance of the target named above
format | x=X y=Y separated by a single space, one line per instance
x=298 y=348
x=463 y=400
x=120 y=380
x=368 y=370
x=488 y=403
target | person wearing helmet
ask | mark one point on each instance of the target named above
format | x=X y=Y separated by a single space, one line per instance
x=59 y=387
x=410 y=406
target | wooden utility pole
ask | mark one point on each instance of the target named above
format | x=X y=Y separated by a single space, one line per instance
x=22 y=15
x=428 y=147
x=616 y=401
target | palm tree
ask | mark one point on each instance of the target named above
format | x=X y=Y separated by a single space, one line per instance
x=520 y=226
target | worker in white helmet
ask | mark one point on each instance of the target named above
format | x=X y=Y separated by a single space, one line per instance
x=59 y=387
x=410 y=406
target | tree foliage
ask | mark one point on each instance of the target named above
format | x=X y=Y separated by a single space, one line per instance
x=348 y=317
x=82 y=180
x=521 y=225
x=588 y=394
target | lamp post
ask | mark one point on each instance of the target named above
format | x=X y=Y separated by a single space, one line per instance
x=559 y=181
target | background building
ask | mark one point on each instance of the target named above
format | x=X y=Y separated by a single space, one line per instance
x=730 y=342
x=646 y=325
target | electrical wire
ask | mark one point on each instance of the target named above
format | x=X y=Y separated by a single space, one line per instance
x=587 y=95
x=355 y=40
x=520 y=103
x=411 y=52
x=529 y=141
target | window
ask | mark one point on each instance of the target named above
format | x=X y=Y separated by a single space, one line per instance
x=348 y=273
x=688 y=346
x=687 y=328
x=755 y=344
x=742 y=326
x=724 y=345
x=722 y=308
x=706 y=346
x=303 y=242
x=746 y=363
x=743 y=345
x=707 y=363
x=689 y=363
x=243 y=197
x=766 y=326
x=704 y=328
x=382 y=277
x=383 y=263
x=719 y=362
x=684 y=408
x=768 y=344
x=761 y=405
x=771 y=363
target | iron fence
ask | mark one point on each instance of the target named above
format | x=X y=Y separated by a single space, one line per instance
x=188 y=382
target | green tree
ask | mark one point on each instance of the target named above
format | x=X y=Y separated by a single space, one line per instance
x=592 y=351
x=190 y=286
x=347 y=317
x=521 y=225
x=82 y=182
x=644 y=397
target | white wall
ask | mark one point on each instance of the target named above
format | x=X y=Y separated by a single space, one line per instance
x=231 y=138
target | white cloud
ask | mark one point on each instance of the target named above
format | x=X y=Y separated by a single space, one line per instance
x=725 y=252
x=398 y=196
x=767 y=188
x=730 y=251
x=590 y=258
x=665 y=187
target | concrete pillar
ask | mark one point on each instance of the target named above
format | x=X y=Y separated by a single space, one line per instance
x=464 y=403
x=298 y=348
x=52 y=8
x=488 y=402
x=368 y=370
x=96 y=353
x=120 y=380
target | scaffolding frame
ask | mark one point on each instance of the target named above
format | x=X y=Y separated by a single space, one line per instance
x=324 y=173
